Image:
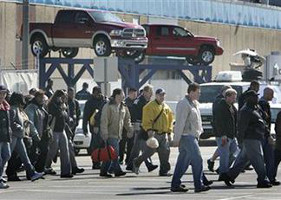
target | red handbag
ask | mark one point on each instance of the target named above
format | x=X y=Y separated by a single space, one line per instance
x=104 y=154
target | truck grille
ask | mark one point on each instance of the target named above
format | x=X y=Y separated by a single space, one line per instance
x=130 y=32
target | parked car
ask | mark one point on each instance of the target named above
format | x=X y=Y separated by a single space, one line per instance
x=172 y=40
x=100 y=30
x=80 y=140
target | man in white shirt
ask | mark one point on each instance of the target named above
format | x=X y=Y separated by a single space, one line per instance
x=188 y=127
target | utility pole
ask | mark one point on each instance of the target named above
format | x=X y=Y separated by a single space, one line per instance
x=25 y=33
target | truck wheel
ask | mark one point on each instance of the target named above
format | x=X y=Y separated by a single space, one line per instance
x=102 y=46
x=206 y=55
x=39 y=46
x=192 y=60
x=69 y=52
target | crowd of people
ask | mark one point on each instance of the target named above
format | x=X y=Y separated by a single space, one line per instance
x=36 y=128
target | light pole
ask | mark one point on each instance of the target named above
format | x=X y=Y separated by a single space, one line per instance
x=25 y=33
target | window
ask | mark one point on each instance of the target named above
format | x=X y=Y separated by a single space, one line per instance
x=210 y=92
x=81 y=16
x=162 y=31
x=180 y=32
x=65 y=17
x=104 y=17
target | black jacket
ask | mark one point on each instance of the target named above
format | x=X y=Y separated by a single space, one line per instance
x=226 y=120
x=91 y=105
x=250 y=123
x=56 y=110
x=138 y=105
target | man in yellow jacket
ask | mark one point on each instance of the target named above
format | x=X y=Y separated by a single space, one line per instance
x=157 y=121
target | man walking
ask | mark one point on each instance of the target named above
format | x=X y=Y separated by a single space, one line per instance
x=251 y=130
x=94 y=106
x=139 y=142
x=188 y=128
x=157 y=121
x=268 y=149
x=226 y=123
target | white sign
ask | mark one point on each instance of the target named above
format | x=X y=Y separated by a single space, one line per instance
x=105 y=69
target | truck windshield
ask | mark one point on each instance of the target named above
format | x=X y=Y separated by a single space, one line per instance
x=104 y=17
x=209 y=93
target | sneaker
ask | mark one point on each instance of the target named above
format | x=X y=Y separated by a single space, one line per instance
x=3 y=185
x=50 y=171
x=151 y=168
x=77 y=170
x=264 y=184
x=210 y=165
x=66 y=176
x=121 y=173
x=179 y=189
x=36 y=176
x=106 y=175
x=136 y=169
x=202 y=189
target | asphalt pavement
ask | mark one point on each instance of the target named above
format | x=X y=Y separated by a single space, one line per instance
x=149 y=186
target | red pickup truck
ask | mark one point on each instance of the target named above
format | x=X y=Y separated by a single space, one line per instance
x=171 y=40
x=100 y=30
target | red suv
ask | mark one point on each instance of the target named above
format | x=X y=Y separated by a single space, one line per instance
x=171 y=40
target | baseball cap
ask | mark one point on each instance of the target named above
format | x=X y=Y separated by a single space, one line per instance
x=160 y=91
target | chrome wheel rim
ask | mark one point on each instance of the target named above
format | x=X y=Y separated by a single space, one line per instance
x=37 y=47
x=207 y=56
x=100 y=47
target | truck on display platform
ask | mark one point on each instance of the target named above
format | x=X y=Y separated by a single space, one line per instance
x=74 y=29
x=172 y=40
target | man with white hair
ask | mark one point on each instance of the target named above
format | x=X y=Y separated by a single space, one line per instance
x=226 y=124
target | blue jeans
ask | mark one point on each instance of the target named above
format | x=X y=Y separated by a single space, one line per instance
x=251 y=151
x=59 y=142
x=268 y=152
x=227 y=153
x=5 y=154
x=19 y=146
x=112 y=166
x=189 y=155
